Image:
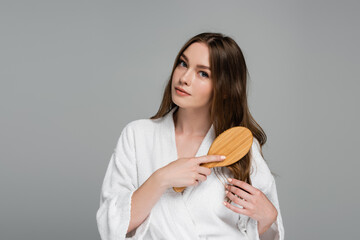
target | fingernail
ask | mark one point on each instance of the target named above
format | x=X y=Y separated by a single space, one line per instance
x=229 y=179
x=224 y=203
x=226 y=191
x=223 y=157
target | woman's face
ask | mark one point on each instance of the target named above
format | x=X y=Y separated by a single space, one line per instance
x=193 y=75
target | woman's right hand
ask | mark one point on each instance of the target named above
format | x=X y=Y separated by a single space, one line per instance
x=185 y=172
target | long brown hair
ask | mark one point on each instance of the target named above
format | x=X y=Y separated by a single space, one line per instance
x=229 y=105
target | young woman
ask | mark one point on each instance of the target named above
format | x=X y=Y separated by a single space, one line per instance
x=206 y=94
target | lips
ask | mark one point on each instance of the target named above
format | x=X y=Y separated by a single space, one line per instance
x=182 y=90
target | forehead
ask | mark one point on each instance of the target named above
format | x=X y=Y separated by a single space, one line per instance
x=198 y=53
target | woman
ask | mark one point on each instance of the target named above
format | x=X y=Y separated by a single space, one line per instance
x=206 y=94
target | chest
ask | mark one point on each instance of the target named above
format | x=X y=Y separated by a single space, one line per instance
x=187 y=146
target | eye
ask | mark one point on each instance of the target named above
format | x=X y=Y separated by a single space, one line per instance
x=205 y=74
x=180 y=62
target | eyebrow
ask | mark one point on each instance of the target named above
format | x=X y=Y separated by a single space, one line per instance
x=198 y=66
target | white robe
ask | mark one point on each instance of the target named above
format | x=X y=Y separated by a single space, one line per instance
x=146 y=145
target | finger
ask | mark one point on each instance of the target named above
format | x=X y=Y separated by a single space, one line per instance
x=241 y=193
x=243 y=211
x=244 y=186
x=204 y=170
x=238 y=200
x=210 y=158
x=201 y=178
x=195 y=183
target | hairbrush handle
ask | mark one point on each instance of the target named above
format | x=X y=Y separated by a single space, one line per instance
x=179 y=189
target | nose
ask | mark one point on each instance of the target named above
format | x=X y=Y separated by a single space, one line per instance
x=187 y=77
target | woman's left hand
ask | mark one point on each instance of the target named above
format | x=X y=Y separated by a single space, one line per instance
x=254 y=202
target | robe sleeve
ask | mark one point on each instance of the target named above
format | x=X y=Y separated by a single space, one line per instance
x=249 y=226
x=119 y=184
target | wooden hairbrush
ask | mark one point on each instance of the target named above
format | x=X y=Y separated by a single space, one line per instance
x=234 y=143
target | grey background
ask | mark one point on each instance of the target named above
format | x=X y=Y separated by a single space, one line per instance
x=73 y=73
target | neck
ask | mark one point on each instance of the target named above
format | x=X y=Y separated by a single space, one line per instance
x=192 y=122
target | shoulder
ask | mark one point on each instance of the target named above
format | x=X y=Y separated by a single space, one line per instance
x=133 y=132
x=261 y=176
x=144 y=125
x=141 y=129
x=136 y=127
x=139 y=124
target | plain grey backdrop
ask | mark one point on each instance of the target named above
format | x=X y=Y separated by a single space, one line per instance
x=73 y=73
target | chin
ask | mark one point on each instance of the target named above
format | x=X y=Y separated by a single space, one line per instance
x=184 y=105
x=179 y=103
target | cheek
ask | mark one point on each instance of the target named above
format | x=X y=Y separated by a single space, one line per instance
x=205 y=90
x=178 y=72
x=175 y=75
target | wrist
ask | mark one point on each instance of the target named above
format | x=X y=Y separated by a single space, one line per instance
x=264 y=226
x=158 y=177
